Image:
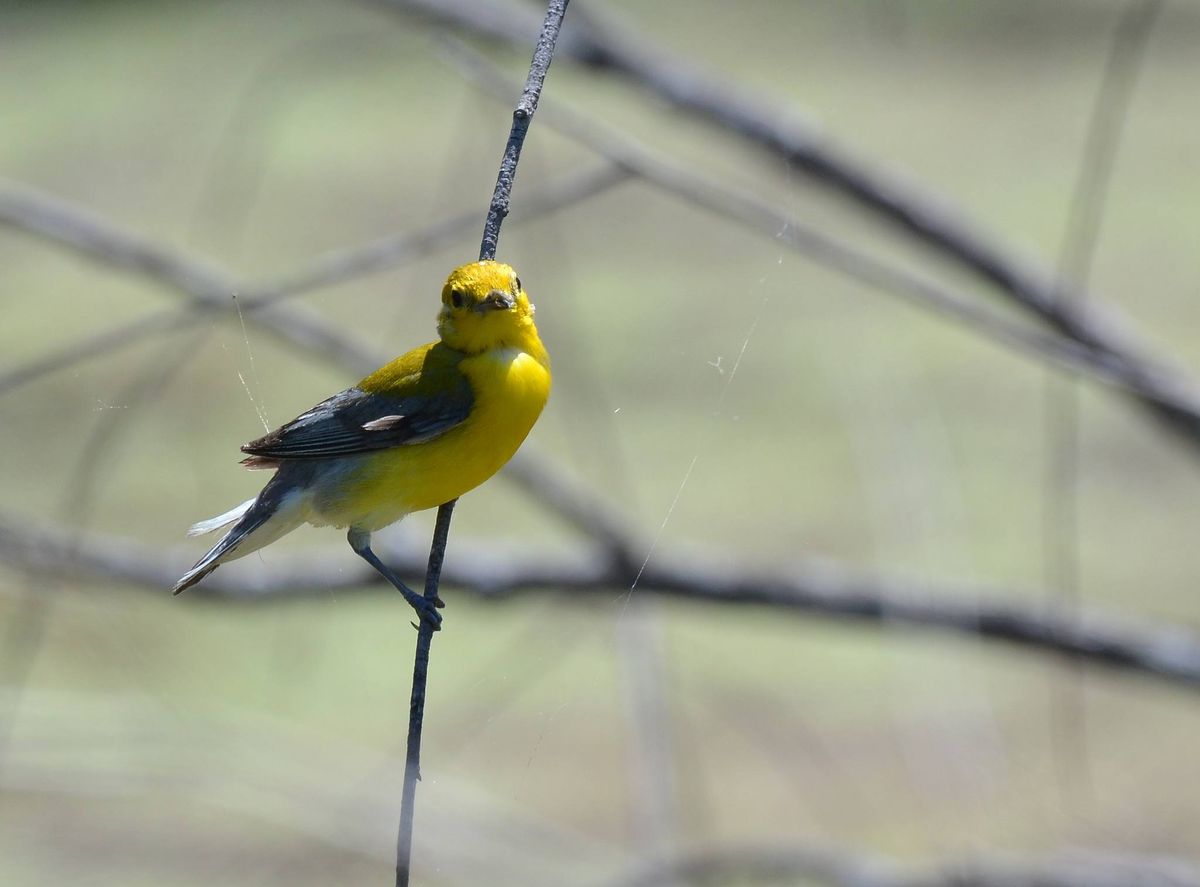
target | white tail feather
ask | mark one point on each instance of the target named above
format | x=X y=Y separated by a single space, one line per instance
x=221 y=520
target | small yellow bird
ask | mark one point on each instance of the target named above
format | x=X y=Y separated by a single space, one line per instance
x=423 y=430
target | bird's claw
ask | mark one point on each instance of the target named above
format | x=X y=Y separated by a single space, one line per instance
x=428 y=610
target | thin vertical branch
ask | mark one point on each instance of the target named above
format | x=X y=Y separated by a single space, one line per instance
x=643 y=675
x=497 y=210
x=1127 y=50
x=416 y=704
x=522 y=115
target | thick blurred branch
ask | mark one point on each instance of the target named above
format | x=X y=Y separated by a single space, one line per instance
x=326 y=789
x=809 y=589
x=547 y=482
x=763 y=865
x=336 y=791
x=843 y=868
x=827 y=592
x=209 y=288
x=1170 y=397
x=1166 y=396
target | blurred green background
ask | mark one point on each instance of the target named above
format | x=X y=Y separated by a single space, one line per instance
x=151 y=740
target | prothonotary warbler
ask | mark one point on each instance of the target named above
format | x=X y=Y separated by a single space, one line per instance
x=416 y=433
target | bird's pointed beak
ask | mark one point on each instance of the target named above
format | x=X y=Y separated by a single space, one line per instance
x=496 y=300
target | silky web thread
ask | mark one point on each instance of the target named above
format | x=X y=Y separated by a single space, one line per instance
x=254 y=402
x=721 y=397
x=575 y=647
x=551 y=716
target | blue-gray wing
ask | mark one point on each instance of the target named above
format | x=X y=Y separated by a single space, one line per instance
x=357 y=421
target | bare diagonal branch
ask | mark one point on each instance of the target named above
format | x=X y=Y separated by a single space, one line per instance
x=1169 y=397
x=932 y=219
x=831 y=867
x=209 y=288
x=808 y=589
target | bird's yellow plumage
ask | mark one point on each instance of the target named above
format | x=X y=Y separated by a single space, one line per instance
x=418 y=432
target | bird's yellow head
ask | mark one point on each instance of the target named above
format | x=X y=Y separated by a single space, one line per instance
x=484 y=307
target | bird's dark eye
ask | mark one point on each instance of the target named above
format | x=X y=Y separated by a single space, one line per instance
x=517 y=282
x=457 y=298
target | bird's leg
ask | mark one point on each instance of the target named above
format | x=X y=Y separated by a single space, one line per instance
x=360 y=541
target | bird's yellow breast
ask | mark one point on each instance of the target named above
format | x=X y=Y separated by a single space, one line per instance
x=510 y=386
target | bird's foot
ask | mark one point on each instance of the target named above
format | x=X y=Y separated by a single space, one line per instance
x=427 y=609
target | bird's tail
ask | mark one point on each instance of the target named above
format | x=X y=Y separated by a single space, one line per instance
x=221 y=521
x=256 y=522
